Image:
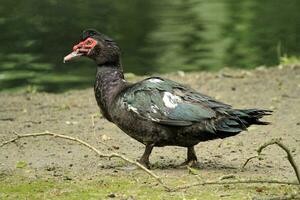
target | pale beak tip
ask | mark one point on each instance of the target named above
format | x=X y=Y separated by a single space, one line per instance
x=71 y=56
x=64 y=60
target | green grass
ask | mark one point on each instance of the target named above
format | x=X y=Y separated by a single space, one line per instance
x=136 y=185
x=21 y=164
x=289 y=60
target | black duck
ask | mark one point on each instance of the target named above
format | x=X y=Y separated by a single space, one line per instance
x=157 y=111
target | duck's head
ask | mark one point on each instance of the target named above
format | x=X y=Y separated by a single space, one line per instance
x=97 y=46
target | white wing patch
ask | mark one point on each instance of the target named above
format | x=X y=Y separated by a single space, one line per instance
x=154 y=108
x=130 y=107
x=155 y=80
x=170 y=100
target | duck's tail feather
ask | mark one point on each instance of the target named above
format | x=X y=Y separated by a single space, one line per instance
x=252 y=116
x=240 y=120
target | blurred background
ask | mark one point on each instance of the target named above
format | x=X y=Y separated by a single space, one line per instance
x=155 y=37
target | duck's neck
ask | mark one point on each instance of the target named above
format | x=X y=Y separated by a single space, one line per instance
x=109 y=82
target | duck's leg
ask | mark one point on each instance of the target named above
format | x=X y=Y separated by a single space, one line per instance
x=191 y=154
x=192 y=160
x=145 y=157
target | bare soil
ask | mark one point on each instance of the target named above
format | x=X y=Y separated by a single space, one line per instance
x=72 y=113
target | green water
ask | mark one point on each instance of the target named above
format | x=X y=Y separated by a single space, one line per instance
x=155 y=37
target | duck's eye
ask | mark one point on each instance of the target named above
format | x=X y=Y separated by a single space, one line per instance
x=92 y=34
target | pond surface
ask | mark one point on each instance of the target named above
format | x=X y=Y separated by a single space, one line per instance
x=155 y=37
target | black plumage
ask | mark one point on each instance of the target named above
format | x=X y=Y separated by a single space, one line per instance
x=157 y=111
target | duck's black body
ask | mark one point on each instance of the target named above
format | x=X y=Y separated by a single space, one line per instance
x=160 y=112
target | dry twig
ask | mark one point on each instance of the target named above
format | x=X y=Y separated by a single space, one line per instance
x=282 y=146
x=157 y=178
x=94 y=133
x=99 y=153
x=218 y=182
x=248 y=160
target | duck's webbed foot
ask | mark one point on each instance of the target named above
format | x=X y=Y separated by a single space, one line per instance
x=144 y=160
x=192 y=160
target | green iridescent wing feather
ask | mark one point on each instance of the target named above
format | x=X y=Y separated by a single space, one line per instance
x=146 y=99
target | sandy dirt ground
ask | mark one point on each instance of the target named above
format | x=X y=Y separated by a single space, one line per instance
x=72 y=113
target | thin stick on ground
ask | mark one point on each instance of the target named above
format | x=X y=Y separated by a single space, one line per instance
x=248 y=160
x=99 y=153
x=218 y=182
x=157 y=178
x=282 y=146
x=94 y=132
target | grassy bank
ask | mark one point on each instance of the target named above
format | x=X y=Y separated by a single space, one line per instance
x=133 y=186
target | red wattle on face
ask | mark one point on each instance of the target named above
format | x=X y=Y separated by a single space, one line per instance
x=80 y=49
x=89 y=43
x=78 y=46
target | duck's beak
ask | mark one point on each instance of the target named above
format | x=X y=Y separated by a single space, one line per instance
x=71 y=56
x=81 y=49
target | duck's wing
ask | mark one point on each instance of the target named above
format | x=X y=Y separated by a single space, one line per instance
x=167 y=102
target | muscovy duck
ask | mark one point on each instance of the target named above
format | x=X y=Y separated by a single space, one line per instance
x=157 y=111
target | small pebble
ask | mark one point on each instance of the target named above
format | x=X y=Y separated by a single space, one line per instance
x=116 y=147
x=111 y=195
x=67 y=178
